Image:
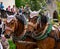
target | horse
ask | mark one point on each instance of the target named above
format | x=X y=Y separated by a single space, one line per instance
x=33 y=16
x=58 y=27
x=3 y=15
x=46 y=38
x=10 y=16
x=17 y=27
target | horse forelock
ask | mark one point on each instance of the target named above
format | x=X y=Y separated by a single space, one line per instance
x=19 y=19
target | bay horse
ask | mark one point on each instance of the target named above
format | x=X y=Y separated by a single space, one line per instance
x=17 y=27
x=10 y=17
x=34 y=16
x=45 y=36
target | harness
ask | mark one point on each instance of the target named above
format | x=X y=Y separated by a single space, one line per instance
x=41 y=37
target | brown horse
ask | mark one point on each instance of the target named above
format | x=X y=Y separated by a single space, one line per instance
x=44 y=39
x=18 y=28
x=58 y=43
x=34 y=19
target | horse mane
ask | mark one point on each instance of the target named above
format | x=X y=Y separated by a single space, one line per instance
x=19 y=19
x=44 y=19
x=43 y=22
x=20 y=27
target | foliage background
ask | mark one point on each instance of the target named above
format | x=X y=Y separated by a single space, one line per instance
x=34 y=4
x=58 y=8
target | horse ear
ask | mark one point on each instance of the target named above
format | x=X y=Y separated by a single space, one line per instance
x=15 y=14
x=30 y=10
x=7 y=15
x=39 y=11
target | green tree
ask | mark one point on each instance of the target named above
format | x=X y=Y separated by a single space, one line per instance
x=34 y=4
x=58 y=8
x=18 y=3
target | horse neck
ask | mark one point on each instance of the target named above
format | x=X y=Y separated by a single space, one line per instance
x=19 y=29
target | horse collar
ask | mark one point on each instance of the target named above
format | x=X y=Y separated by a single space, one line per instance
x=45 y=34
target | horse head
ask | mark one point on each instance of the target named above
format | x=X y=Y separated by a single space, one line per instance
x=34 y=16
x=10 y=24
x=15 y=24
